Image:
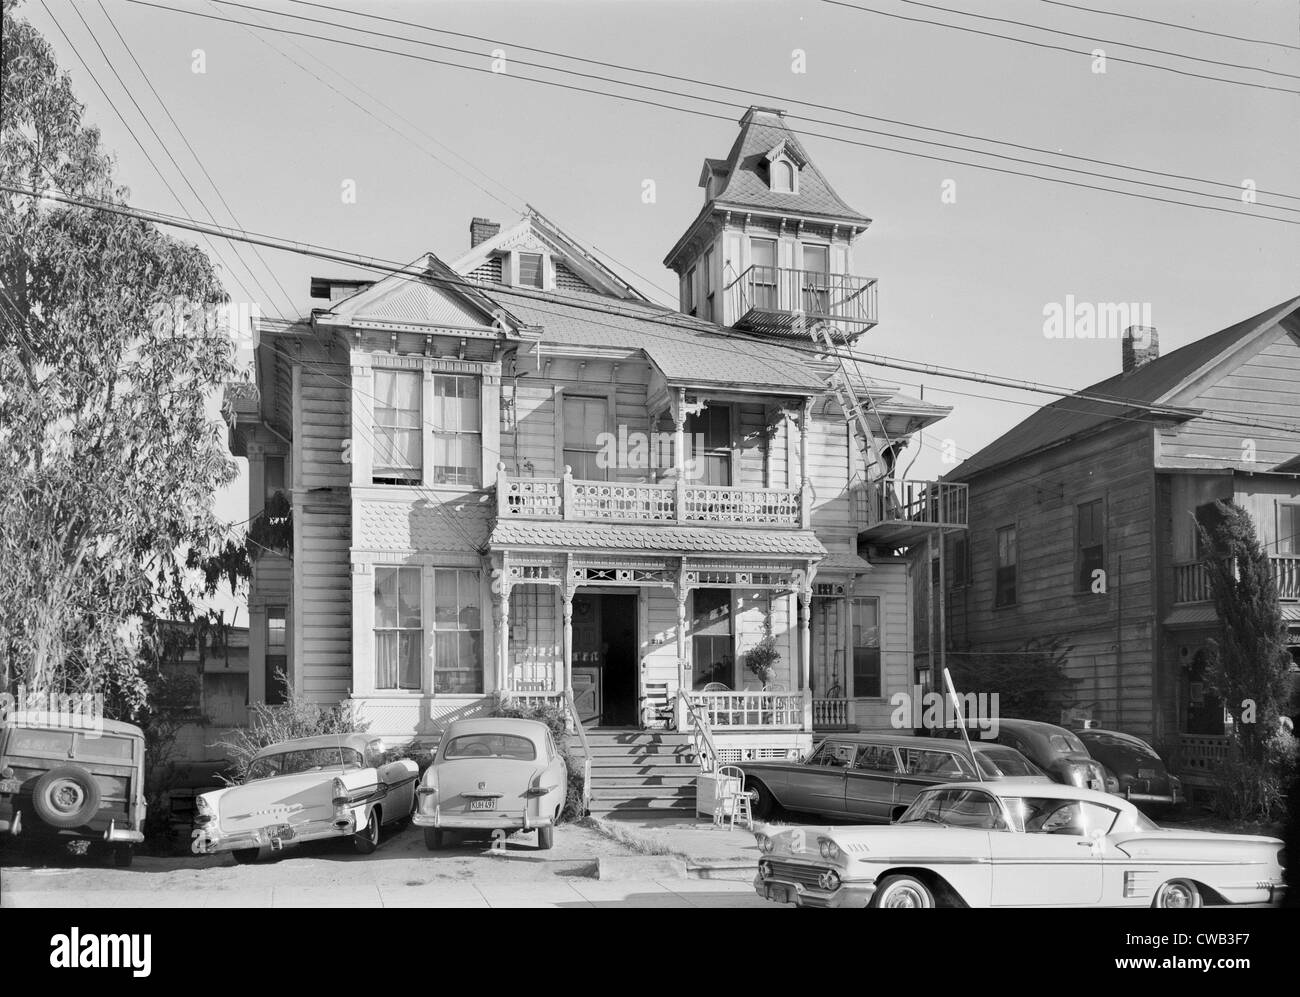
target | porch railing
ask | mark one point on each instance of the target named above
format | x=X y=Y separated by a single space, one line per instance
x=818 y=295
x=697 y=722
x=676 y=502
x=901 y=501
x=1192 y=582
x=830 y=713
x=1200 y=756
x=761 y=710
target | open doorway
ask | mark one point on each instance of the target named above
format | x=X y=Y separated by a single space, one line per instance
x=606 y=685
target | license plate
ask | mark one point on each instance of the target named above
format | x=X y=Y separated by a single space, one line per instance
x=779 y=894
x=281 y=831
x=1146 y=773
x=482 y=804
x=10 y=785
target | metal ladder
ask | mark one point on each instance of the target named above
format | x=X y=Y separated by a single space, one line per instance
x=846 y=394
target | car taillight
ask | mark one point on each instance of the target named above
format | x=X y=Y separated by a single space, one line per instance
x=340 y=793
x=6 y=773
x=203 y=813
x=538 y=790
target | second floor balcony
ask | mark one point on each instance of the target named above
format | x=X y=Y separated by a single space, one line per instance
x=769 y=299
x=897 y=512
x=1192 y=583
x=665 y=503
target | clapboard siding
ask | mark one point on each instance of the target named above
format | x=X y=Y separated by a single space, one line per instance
x=1039 y=496
x=889 y=582
x=828 y=468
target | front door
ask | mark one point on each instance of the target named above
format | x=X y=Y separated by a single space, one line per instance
x=606 y=673
x=587 y=671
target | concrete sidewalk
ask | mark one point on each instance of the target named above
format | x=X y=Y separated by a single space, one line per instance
x=710 y=852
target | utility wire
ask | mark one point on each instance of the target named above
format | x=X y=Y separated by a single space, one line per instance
x=1171 y=24
x=720 y=117
x=1045 y=45
x=775 y=97
x=404 y=272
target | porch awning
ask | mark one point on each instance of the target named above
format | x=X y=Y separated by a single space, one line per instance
x=670 y=540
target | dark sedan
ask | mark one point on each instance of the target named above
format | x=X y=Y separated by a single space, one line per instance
x=1055 y=750
x=1141 y=773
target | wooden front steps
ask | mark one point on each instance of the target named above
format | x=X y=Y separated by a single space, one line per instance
x=641 y=773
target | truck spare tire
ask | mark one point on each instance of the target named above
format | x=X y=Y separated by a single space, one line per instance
x=66 y=797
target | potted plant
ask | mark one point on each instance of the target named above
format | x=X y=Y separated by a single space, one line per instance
x=762 y=659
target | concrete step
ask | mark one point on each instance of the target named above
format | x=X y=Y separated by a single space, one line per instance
x=643 y=808
x=648 y=761
x=646 y=750
x=607 y=793
x=616 y=779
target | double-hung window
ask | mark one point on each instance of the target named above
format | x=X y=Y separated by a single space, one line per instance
x=399 y=631
x=762 y=281
x=865 y=619
x=1090 y=542
x=709 y=314
x=399 y=450
x=457 y=430
x=586 y=419
x=1005 y=582
x=458 y=632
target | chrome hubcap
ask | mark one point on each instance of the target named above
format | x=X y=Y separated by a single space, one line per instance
x=904 y=896
x=1177 y=895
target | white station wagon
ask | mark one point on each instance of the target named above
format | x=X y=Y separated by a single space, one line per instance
x=1010 y=844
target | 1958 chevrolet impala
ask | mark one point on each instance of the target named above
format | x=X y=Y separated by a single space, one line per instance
x=333 y=785
x=1008 y=844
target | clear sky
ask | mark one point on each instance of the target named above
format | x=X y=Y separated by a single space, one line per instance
x=962 y=284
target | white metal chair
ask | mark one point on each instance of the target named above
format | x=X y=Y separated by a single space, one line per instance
x=731 y=801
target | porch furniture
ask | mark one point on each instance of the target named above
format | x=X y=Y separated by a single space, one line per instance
x=659 y=706
x=732 y=801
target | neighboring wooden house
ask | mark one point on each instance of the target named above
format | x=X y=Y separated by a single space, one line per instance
x=1084 y=486
x=513 y=474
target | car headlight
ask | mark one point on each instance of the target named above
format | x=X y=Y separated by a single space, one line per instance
x=765 y=869
x=765 y=844
x=829 y=850
x=829 y=880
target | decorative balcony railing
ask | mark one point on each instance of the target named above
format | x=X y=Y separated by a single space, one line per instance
x=675 y=502
x=1199 y=757
x=1192 y=583
x=830 y=714
x=782 y=291
x=902 y=511
x=763 y=710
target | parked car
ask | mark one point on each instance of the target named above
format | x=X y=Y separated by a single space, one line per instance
x=873 y=777
x=328 y=786
x=1139 y=772
x=1013 y=844
x=493 y=774
x=185 y=783
x=1055 y=750
x=73 y=783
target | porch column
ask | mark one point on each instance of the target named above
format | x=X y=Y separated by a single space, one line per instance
x=501 y=611
x=805 y=653
x=566 y=602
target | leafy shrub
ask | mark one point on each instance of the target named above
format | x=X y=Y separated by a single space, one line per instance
x=555 y=717
x=295 y=717
x=421 y=754
x=1031 y=682
x=1256 y=791
x=762 y=658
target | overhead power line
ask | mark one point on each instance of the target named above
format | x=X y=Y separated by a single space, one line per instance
x=1046 y=45
x=727 y=118
x=1171 y=24
x=404 y=271
x=780 y=99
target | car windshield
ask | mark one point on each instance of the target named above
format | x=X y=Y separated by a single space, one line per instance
x=1056 y=815
x=304 y=760
x=491 y=746
x=1005 y=764
x=1065 y=742
x=1124 y=745
x=965 y=808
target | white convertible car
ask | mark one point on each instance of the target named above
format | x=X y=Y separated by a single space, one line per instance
x=329 y=786
x=1010 y=844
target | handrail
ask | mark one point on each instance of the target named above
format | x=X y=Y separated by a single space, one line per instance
x=586 y=749
x=701 y=735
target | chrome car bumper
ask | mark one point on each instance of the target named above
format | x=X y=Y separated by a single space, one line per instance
x=790 y=892
x=114 y=834
x=262 y=837
x=481 y=820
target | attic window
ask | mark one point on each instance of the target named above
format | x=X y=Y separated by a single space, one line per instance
x=530 y=270
x=784 y=177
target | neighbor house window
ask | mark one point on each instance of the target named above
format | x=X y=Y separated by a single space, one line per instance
x=709 y=437
x=276 y=658
x=585 y=419
x=712 y=647
x=458 y=632
x=865 y=621
x=1005 y=582
x=1288 y=529
x=399 y=631
x=1090 y=542
x=708 y=286
x=531 y=270
x=457 y=430
x=690 y=291
x=399 y=449
x=959 y=571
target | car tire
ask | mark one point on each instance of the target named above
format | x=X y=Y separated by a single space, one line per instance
x=366 y=840
x=762 y=804
x=903 y=891
x=546 y=838
x=123 y=856
x=245 y=856
x=1177 y=893
x=433 y=838
x=66 y=797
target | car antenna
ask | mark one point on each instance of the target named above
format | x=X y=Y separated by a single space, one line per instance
x=961 y=721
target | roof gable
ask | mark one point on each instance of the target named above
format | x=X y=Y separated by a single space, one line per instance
x=1174 y=380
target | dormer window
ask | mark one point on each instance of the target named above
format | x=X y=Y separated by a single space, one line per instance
x=783 y=176
x=530 y=270
x=784 y=162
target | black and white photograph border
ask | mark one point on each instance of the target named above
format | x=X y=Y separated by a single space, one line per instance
x=587 y=453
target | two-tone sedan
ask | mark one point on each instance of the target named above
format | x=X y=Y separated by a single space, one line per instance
x=1006 y=844
x=329 y=786
x=489 y=775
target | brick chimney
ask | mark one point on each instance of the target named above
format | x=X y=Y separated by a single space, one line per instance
x=481 y=230
x=1141 y=346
